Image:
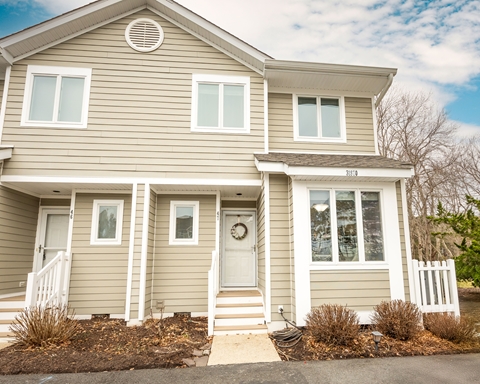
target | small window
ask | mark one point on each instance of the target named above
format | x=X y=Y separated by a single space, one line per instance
x=319 y=118
x=184 y=219
x=221 y=104
x=107 y=218
x=56 y=97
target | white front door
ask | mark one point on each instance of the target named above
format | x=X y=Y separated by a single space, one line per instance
x=239 y=249
x=53 y=234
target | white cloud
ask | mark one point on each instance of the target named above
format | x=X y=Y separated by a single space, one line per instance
x=467 y=130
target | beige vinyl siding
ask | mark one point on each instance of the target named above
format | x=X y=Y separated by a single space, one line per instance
x=181 y=272
x=403 y=248
x=18 y=227
x=280 y=246
x=99 y=273
x=261 y=239
x=292 y=248
x=239 y=204
x=150 y=251
x=359 y=125
x=139 y=112
x=359 y=290
x=55 y=202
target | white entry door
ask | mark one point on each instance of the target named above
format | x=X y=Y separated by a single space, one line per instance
x=53 y=236
x=239 y=249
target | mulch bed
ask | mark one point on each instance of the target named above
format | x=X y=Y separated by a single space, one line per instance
x=469 y=294
x=364 y=347
x=109 y=345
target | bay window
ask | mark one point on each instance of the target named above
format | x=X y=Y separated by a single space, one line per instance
x=346 y=226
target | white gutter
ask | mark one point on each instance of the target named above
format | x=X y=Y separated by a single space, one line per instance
x=384 y=90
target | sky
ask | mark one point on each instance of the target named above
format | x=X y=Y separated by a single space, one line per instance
x=434 y=44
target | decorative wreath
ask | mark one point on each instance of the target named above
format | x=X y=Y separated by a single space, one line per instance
x=235 y=234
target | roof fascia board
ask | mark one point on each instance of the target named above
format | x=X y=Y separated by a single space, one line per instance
x=5 y=56
x=44 y=27
x=205 y=40
x=279 y=167
x=79 y=33
x=213 y=29
x=340 y=69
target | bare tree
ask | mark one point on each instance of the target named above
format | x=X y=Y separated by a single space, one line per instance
x=411 y=128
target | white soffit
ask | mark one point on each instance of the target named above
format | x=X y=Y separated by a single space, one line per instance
x=331 y=77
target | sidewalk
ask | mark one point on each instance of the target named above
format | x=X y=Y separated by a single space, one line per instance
x=456 y=369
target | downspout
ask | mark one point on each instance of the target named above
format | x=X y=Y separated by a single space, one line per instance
x=384 y=90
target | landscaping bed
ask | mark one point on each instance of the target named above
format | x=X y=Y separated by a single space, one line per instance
x=109 y=345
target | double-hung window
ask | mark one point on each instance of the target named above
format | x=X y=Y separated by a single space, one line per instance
x=56 y=97
x=346 y=226
x=220 y=104
x=318 y=118
x=184 y=221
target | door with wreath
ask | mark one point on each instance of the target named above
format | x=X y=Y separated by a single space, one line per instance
x=238 y=266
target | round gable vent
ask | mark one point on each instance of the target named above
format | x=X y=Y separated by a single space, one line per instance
x=144 y=35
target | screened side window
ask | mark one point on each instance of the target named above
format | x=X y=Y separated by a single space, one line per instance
x=107 y=219
x=184 y=221
x=220 y=104
x=56 y=96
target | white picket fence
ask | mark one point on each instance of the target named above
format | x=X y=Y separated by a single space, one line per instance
x=49 y=286
x=436 y=286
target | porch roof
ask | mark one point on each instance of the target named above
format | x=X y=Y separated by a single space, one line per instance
x=327 y=167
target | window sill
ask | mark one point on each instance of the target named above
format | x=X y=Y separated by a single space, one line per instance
x=319 y=140
x=348 y=266
x=183 y=244
x=53 y=125
x=235 y=131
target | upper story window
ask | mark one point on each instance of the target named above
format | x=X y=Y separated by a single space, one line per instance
x=56 y=97
x=221 y=104
x=346 y=226
x=319 y=118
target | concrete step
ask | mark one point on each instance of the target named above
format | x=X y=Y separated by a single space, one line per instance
x=240 y=330
x=11 y=304
x=6 y=334
x=240 y=319
x=239 y=299
x=8 y=315
x=5 y=327
x=226 y=309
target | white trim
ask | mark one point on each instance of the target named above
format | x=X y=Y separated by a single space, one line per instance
x=94 y=240
x=408 y=249
x=144 y=253
x=131 y=248
x=375 y=128
x=322 y=152
x=301 y=218
x=319 y=138
x=312 y=92
x=172 y=227
x=131 y=180
x=73 y=199
x=218 y=209
x=3 y=108
x=59 y=72
x=265 y=114
x=221 y=80
x=267 y=234
x=143 y=49
x=8 y=295
x=352 y=266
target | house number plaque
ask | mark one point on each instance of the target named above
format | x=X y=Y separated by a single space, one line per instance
x=352 y=172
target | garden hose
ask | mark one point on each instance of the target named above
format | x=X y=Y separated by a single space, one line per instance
x=287 y=337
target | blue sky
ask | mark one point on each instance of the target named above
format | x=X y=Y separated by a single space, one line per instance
x=434 y=44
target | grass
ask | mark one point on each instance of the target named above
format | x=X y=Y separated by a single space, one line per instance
x=464 y=284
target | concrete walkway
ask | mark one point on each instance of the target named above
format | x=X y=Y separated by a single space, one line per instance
x=240 y=349
x=457 y=369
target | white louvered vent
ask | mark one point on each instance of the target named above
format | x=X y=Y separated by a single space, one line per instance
x=144 y=35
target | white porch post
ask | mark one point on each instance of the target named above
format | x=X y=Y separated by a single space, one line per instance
x=131 y=246
x=268 y=284
x=143 y=259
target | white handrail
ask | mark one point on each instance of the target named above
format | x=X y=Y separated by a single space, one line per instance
x=212 y=292
x=50 y=285
x=436 y=286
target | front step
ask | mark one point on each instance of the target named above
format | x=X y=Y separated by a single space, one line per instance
x=239 y=312
x=9 y=308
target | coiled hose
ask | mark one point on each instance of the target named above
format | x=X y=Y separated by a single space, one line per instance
x=287 y=337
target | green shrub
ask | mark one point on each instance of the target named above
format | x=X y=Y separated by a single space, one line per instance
x=450 y=327
x=43 y=326
x=333 y=324
x=397 y=319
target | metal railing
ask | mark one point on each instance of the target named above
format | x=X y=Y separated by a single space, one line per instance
x=49 y=286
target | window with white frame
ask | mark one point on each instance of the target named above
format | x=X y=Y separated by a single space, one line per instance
x=107 y=219
x=184 y=220
x=318 y=118
x=346 y=226
x=220 y=103
x=56 y=97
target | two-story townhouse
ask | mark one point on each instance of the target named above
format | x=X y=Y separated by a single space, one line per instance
x=183 y=170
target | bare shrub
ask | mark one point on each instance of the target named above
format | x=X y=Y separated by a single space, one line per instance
x=43 y=326
x=397 y=319
x=333 y=324
x=450 y=327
